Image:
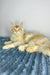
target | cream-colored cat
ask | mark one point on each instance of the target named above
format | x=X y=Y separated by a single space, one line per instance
x=31 y=42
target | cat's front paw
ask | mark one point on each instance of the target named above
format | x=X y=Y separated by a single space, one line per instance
x=22 y=47
x=5 y=47
x=9 y=42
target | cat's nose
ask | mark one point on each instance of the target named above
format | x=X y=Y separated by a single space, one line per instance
x=16 y=31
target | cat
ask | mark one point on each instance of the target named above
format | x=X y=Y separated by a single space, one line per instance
x=31 y=42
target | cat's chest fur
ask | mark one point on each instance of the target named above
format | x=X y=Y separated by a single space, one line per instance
x=18 y=37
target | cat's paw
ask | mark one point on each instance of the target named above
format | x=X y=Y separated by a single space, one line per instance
x=22 y=47
x=32 y=49
x=8 y=46
x=5 y=47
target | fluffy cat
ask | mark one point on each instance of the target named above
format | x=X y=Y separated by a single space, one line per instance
x=31 y=42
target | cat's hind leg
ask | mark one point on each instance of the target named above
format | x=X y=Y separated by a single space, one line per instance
x=28 y=48
x=25 y=46
x=12 y=45
x=32 y=48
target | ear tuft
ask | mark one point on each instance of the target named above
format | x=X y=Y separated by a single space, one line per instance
x=21 y=24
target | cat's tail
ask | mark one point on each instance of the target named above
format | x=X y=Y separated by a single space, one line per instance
x=45 y=49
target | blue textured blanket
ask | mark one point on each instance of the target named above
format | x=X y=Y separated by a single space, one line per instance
x=14 y=62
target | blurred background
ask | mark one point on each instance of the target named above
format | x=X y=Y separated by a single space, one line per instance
x=35 y=15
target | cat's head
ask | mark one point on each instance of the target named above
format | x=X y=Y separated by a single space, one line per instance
x=17 y=28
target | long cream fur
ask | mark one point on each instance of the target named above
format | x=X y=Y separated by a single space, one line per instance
x=31 y=42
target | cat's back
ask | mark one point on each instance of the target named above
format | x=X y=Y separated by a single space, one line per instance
x=28 y=35
x=35 y=37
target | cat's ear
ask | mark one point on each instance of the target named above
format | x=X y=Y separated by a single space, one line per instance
x=21 y=24
x=12 y=25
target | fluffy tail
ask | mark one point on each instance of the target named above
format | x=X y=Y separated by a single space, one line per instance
x=45 y=49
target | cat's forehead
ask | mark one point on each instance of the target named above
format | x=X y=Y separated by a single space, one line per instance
x=16 y=26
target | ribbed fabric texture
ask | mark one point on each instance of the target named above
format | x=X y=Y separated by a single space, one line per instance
x=14 y=62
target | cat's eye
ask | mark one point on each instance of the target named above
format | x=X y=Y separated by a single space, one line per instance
x=16 y=29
